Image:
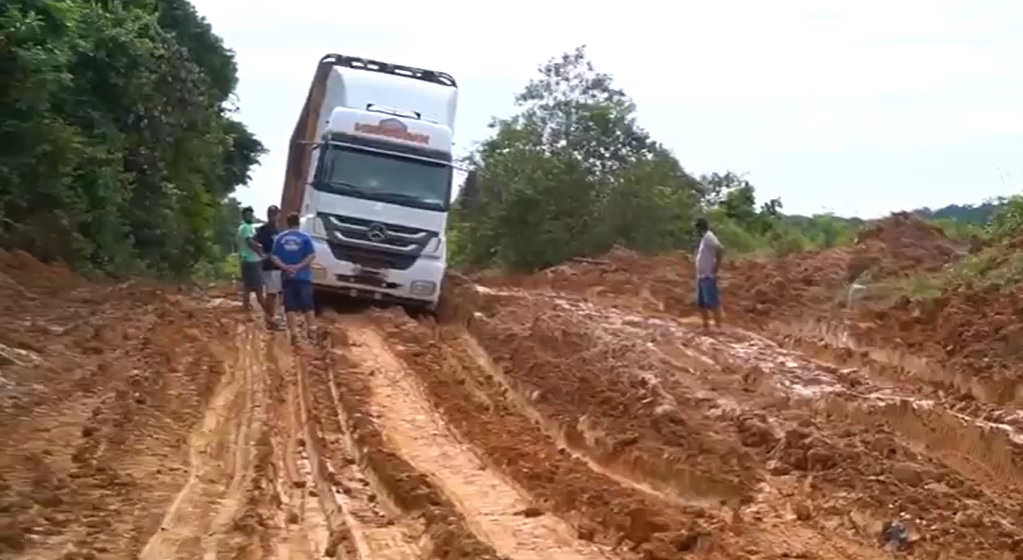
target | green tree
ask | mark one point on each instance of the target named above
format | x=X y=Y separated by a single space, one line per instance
x=571 y=174
x=117 y=148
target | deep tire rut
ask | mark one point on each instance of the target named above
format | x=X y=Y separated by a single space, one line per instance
x=360 y=525
x=494 y=509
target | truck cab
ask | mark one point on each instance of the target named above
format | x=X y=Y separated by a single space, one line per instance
x=376 y=195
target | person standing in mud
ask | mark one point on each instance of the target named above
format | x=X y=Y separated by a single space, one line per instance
x=293 y=253
x=250 y=260
x=708 y=261
x=265 y=235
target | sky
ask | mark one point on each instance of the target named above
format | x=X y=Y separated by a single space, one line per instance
x=855 y=108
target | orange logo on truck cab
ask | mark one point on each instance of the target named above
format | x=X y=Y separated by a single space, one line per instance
x=392 y=128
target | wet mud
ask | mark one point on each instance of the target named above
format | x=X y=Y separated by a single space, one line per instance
x=577 y=413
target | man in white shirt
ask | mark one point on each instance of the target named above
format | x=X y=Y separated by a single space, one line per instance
x=708 y=262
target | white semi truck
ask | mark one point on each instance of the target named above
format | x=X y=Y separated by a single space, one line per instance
x=372 y=180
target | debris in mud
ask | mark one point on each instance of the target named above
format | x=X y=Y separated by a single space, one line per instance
x=908 y=473
x=802 y=511
x=895 y=536
x=531 y=511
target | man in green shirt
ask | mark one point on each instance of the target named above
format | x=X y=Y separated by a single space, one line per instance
x=250 y=256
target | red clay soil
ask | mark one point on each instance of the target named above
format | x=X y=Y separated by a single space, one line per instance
x=903 y=244
x=410 y=490
x=99 y=386
x=754 y=290
x=600 y=508
x=973 y=332
x=732 y=422
x=974 y=336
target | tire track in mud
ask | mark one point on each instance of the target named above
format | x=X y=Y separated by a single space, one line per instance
x=402 y=491
x=985 y=451
x=641 y=515
x=223 y=455
x=358 y=525
x=828 y=480
x=978 y=438
x=597 y=449
x=873 y=453
x=493 y=508
x=305 y=521
x=620 y=513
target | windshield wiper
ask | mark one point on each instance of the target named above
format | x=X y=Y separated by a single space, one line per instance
x=349 y=186
x=402 y=197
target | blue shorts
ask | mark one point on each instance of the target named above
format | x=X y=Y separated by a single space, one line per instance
x=252 y=274
x=707 y=293
x=298 y=296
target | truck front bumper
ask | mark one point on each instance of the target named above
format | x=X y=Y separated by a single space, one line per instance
x=418 y=285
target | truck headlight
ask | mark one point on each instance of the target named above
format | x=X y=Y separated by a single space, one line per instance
x=434 y=247
x=314 y=227
x=422 y=288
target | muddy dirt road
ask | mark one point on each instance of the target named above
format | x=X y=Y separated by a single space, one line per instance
x=140 y=423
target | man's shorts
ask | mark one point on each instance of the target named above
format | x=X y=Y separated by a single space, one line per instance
x=707 y=293
x=252 y=275
x=298 y=296
x=272 y=281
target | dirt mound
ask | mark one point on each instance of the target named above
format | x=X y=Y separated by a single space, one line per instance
x=902 y=244
x=34 y=276
x=756 y=290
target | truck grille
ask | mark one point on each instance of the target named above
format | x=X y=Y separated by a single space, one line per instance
x=372 y=258
x=373 y=244
x=376 y=235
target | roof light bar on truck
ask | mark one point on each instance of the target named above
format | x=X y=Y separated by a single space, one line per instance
x=391 y=111
x=359 y=63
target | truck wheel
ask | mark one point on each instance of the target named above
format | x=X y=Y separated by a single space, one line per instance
x=420 y=310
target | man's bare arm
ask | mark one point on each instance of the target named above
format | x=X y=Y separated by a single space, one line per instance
x=254 y=245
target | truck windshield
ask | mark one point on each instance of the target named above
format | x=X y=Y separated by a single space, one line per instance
x=385 y=177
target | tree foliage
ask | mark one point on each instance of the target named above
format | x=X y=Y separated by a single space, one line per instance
x=572 y=174
x=118 y=150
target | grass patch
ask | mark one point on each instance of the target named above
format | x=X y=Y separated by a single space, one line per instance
x=998 y=267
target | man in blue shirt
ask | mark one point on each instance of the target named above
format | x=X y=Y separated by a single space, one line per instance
x=293 y=253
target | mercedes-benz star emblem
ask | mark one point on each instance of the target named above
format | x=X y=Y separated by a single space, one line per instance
x=377 y=232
